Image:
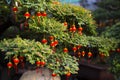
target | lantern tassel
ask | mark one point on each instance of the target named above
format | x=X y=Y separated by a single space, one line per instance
x=67 y=77
x=8 y=72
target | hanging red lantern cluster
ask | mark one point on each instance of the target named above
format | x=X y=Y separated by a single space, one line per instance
x=53 y=42
x=38 y=14
x=40 y=63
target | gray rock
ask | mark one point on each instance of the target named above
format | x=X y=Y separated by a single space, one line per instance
x=39 y=74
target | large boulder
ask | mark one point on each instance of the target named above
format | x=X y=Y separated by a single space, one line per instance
x=39 y=74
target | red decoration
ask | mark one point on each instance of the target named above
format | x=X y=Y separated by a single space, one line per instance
x=80 y=29
x=44 y=41
x=70 y=29
x=15 y=9
x=38 y=14
x=9 y=65
x=65 y=24
x=44 y=14
x=16 y=61
x=83 y=53
x=38 y=63
x=68 y=75
x=51 y=38
x=89 y=54
x=73 y=28
x=79 y=46
x=56 y=42
x=65 y=50
x=42 y=63
x=27 y=15
x=52 y=44
x=53 y=74
x=79 y=54
x=74 y=49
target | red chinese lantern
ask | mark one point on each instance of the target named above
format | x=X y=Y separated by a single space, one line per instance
x=70 y=29
x=73 y=28
x=42 y=63
x=54 y=74
x=38 y=63
x=89 y=54
x=65 y=24
x=80 y=29
x=83 y=53
x=38 y=14
x=56 y=42
x=51 y=38
x=16 y=61
x=52 y=44
x=44 y=14
x=9 y=65
x=79 y=54
x=65 y=50
x=27 y=15
x=44 y=41
x=68 y=74
x=74 y=49
x=15 y=9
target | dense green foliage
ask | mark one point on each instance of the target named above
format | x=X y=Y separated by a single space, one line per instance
x=108 y=9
